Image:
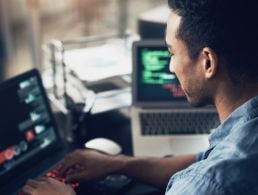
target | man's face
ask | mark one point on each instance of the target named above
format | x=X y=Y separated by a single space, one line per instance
x=188 y=71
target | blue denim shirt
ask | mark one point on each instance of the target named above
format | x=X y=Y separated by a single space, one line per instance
x=230 y=164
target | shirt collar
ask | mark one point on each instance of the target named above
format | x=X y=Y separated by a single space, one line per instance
x=243 y=112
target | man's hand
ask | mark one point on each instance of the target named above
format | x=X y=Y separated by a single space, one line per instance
x=44 y=185
x=84 y=165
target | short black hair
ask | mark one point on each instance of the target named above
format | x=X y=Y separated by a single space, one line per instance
x=229 y=27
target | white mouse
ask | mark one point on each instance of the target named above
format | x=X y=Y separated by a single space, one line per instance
x=104 y=145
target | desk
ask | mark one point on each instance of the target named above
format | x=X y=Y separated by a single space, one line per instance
x=113 y=125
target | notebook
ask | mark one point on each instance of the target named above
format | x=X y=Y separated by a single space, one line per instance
x=163 y=123
x=30 y=143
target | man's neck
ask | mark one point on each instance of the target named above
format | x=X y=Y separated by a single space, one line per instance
x=230 y=98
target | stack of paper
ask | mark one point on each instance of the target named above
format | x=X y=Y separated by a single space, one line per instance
x=94 y=64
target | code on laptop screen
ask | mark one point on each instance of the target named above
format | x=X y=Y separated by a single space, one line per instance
x=26 y=127
x=155 y=81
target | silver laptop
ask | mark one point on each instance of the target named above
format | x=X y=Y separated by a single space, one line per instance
x=163 y=123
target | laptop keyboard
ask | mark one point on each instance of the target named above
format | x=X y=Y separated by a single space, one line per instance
x=178 y=123
x=54 y=174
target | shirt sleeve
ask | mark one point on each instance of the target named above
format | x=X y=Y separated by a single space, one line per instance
x=183 y=184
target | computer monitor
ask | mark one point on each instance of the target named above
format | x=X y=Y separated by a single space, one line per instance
x=154 y=80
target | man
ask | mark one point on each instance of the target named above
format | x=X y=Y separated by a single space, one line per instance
x=214 y=49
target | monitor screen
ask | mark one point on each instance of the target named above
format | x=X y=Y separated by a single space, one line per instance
x=154 y=80
x=26 y=126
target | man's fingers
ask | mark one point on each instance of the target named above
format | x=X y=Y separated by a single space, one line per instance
x=77 y=177
x=44 y=180
x=66 y=165
x=71 y=161
x=73 y=170
x=27 y=190
x=32 y=183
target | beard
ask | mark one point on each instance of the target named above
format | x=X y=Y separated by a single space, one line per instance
x=199 y=98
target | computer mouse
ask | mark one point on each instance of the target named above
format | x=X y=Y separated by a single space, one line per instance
x=104 y=145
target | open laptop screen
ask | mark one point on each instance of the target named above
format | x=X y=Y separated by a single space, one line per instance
x=27 y=128
x=154 y=81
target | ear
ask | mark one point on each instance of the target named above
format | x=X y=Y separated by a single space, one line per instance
x=209 y=62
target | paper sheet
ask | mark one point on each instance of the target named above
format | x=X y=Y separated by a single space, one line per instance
x=112 y=100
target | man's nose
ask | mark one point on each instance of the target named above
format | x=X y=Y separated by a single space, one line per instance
x=171 y=67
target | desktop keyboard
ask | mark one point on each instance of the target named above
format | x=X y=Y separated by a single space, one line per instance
x=178 y=123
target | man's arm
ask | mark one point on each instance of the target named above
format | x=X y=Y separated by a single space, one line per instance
x=155 y=171
x=83 y=165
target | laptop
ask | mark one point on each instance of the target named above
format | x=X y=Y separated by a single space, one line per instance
x=30 y=143
x=163 y=123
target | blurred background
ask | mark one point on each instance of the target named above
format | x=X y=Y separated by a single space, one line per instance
x=26 y=25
